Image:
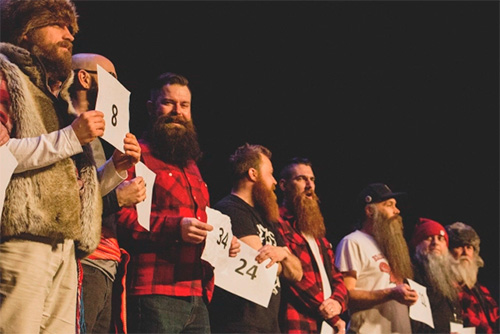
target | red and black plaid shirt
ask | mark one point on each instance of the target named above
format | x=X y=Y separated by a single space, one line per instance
x=161 y=263
x=479 y=309
x=301 y=300
x=5 y=103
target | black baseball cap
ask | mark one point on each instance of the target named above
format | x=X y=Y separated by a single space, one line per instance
x=377 y=192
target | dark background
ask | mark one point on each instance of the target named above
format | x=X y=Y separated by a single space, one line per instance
x=400 y=92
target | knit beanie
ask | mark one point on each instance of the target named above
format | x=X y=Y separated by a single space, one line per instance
x=462 y=234
x=426 y=228
x=17 y=17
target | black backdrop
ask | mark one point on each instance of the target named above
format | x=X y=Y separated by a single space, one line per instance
x=400 y=92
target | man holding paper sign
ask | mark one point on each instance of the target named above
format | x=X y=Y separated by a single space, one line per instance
x=103 y=269
x=314 y=304
x=52 y=211
x=253 y=210
x=169 y=285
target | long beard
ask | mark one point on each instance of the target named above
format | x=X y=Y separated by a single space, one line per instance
x=465 y=270
x=388 y=232
x=310 y=221
x=175 y=144
x=58 y=66
x=438 y=272
x=265 y=201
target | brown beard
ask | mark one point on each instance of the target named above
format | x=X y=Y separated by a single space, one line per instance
x=310 y=221
x=265 y=201
x=388 y=232
x=58 y=66
x=173 y=144
x=438 y=272
x=465 y=270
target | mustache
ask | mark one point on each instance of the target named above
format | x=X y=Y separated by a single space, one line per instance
x=166 y=119
x=66 y=44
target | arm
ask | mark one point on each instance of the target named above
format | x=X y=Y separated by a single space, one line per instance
x=365 y=299
x=289 y=264
x=46 y=149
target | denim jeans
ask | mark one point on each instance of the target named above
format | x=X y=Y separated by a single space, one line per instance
x=97 y=293
x=167 y=314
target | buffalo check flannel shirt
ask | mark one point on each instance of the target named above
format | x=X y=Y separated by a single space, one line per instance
x=301 y=300
x=161 y=263
x=479 y=309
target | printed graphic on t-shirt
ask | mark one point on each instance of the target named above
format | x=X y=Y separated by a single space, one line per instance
x=267 y=238
x=385 y=267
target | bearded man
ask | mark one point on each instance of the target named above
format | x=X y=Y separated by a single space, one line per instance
x=52 y=210
x=313 y=304
x=375 y=261
x=168 y=284
x=433 y=270
x=479 y=308
x=253 y=209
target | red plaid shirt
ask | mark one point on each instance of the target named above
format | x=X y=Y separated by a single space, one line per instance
x=301 y=300
x=5 y=103
x=479 y=309
x=161 y=263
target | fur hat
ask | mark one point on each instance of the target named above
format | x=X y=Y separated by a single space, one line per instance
x=462 y=234
x=426 y=228
x=20 y=16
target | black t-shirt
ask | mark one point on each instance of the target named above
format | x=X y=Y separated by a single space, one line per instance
x=230 y=313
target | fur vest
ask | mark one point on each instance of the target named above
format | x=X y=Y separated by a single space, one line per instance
x=47 y=202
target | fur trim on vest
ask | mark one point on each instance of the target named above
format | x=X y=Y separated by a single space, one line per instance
x=47 y=201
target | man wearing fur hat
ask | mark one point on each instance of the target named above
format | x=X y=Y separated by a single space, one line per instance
x=433 y=270
x=52 y=210
x=375 y=262
x=479 y=308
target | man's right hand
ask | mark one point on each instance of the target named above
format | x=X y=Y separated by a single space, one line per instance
x=194 y=231
x=88 y=126
x=131 y=192
x=403 y=294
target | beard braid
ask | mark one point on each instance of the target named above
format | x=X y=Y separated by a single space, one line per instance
x=465 y=270
x=438 y=272
x=265 y=201
x=310 y=221
x=388 y=232
x=174 y=144
x=58 y=67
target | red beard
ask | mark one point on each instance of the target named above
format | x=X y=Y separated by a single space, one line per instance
x=265 y=201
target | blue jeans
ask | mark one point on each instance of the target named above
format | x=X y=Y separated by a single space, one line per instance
x=167 y=314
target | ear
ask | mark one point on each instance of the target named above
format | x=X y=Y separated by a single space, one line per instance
x=253 y=174
x=282 y=184
x=369 y=211
x=84 y=79
x=150 y=106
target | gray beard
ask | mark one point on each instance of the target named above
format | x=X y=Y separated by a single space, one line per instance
x=438 y=273
x=465 y=271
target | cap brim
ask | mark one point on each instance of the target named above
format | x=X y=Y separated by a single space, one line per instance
x=393 y=195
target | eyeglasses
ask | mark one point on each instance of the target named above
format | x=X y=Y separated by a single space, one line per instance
x=94 y=72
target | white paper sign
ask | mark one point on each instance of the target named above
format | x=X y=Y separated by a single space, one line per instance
x=240 y=275
x=113 y=100
x=218 y=241
x=144 y=208
x=456 y=328
x=421 y=310
x=9 y=163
